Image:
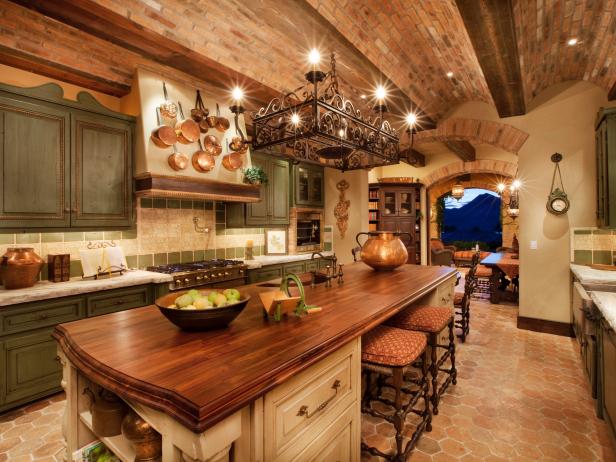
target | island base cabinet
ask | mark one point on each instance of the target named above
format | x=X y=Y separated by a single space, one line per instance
x=608 y=359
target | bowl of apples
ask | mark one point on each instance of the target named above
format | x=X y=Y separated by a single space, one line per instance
x=200 y=310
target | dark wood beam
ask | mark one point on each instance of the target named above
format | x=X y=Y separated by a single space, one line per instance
x=490 y=26
x=32 y=63
x=413 y=157
x=463 y=149
x=611 y=96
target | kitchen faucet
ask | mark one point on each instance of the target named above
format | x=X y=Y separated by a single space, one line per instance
x=331 y=270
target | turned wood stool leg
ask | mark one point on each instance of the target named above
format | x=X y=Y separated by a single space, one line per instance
x=433 y=342
x=427 y=414
x=399 y=416
x=452 y=353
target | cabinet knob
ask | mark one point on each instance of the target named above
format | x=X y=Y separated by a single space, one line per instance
x=67 y=210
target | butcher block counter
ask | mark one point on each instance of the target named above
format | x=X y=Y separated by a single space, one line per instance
x=234 y=394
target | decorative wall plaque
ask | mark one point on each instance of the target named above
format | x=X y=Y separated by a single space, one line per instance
x=341 y=211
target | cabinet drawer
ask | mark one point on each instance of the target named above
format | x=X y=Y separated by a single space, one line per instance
x=306 y=405
x=113 y=301
x=312 y=265
x=37 y=315
x=324 y=263
x=264 y=274
x=297 y=268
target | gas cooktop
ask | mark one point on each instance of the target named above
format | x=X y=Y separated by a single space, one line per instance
x=194 y=266
x=205 y=273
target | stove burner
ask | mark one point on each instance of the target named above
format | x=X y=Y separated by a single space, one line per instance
x=197 y=265
x=204 y=273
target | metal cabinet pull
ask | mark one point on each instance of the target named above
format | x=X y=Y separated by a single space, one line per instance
x=120 y=301
x=303 y=411
x=42 y=317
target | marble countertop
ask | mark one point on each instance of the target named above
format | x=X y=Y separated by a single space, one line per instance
x=606 y=302
x=264 y=260
x=45 y=290
x=587 y=275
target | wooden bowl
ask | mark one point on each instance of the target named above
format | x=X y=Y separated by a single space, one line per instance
x=200 y=320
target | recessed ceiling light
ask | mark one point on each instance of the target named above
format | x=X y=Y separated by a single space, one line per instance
x=572 y=42
x=449 y=74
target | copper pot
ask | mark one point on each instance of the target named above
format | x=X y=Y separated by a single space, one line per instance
x=187 y=130
x=232 y=161
x=383 y=250
x=146 y=441
x=222 y=123
x=168 y=109
x=108 y=411
x=20 y=267
x=164 y=136
x=177 y=161
x=203 y=161
x=236 y=144
x=212 y=145
x=199 y=112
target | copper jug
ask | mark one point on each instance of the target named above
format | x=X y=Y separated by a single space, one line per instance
x=107 y=413
x=146 y=441
x=20 y=267
x=383 y=250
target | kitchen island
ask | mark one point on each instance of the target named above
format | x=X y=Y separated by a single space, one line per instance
x=237 y=393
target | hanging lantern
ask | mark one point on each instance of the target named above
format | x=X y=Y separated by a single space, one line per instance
x=513 y=209
x=457 y=191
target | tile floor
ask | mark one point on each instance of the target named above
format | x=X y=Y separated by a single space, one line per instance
x=521 y=396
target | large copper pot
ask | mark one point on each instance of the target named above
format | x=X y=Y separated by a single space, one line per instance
x=146 y=441
x=20 y=267
x=383 y=250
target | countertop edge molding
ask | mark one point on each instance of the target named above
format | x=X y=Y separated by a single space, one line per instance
x=198 y=419
x=182 y=187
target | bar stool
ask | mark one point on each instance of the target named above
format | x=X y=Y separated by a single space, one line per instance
x=390 y=353
x=431 y=320
x=462 y=303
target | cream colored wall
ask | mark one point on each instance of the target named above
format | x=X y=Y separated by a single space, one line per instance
x=358 y=212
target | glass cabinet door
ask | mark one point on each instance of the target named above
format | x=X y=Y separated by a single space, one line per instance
x=316 y=179
x=303 y=185
x=389 y=203
x=405 y=207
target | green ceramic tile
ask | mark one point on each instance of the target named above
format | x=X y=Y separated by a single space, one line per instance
x=52 y=237
x=220 y=205
x=129 y=234
x=602 y=257
x=44 y=272
x=239 y=252
x=146 y=202
x=220 y=230
x=131 y=261
x=187 y=204
x=602 y=231
x=220 y=216
x=209 y=254
x=199 y=255
x=173 y=203
x=76 y=270
x=113 y=235
x=160 y=258
x=159 y=203
x=220 y=253
x=95 y=236
x=187 y=256
x=173 y=257
x=27 y=238
x=327 y=246
x=230 y=253
x=582 y=231
x=256 y=250
x=73 y=237
x=145 y=260
x=208 y=205
x=7 y=238
x=582 y=257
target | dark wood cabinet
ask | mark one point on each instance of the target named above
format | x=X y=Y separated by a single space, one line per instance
x=308 y=185
x=605 y=138
x=64 y=164
x=608 y=374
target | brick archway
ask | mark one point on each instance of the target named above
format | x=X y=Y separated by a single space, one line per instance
x=497 y=167
x=497 y=134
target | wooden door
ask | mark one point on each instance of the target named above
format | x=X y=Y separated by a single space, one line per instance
x=279 y=192
x=257 y=212
x=102 y=171
x=35 y=160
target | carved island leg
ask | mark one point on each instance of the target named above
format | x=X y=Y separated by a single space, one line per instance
x=70 y=419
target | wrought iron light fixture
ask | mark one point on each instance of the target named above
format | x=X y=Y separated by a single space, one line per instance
x=317 y=123
x=457 y=192
x=513 y=206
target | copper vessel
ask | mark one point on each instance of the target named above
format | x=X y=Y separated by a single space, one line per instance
x=20 y=267
x=203 y=161
x=146 y=441
x=108 y=411
x=232 y=161
x=383 y=250
x=187 y=130
x=212 y=145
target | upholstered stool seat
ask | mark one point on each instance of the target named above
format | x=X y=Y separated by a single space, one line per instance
x=387 y=353
x=422 y=318
x=483 y=271
x=458 y=297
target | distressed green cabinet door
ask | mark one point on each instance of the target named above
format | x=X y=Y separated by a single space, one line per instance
x=257 y=212
x=102 y=171
x=279 y=192
x=31 y=366
x=35 y=164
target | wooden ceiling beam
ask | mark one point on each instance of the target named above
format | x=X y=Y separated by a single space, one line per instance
x=413 y=157
x=463 y=149
x=491 y=28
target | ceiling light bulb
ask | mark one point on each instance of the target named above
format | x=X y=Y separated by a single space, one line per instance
x=341 y=133
x=572 y=42
x=295 y=119
x=380 y=92
x=314 y=56
x=516 y=184
x=449 y=74
x=411 y=119
x=501 y=187
x=237 y=94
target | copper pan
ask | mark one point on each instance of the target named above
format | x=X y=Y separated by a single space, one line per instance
x=168 y=109
x=163 y=136
x=203 y=161
x=232 y=161
x=177 y=161
x=199 y=112
x=187 y=130
x=212 y=145
x=222 y=123
x=236 y=143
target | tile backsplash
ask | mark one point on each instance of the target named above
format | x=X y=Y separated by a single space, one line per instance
x=164 y=233
x=593 y=245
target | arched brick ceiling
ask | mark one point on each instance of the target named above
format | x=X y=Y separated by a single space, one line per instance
x=497 y=167
x=543 y=29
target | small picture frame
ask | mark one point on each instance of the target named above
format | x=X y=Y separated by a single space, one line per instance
x=276 y=242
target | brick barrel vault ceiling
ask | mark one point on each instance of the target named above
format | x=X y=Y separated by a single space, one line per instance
x=543 y=28
x=415 y=43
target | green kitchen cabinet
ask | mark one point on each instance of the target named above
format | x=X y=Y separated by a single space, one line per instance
x=605 y=137
x=65 y=164
x=298 y=267
x=266 y=273
x=273 y=208
x=118 y=300
x=608 y=375
x=308 y=185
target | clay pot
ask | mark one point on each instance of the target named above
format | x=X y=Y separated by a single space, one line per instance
x=146 y=441
x=384 y=250
x=20 y=267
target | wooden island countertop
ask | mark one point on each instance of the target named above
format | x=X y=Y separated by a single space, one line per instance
x=201 y=378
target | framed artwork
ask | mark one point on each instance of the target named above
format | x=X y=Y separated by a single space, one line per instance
x=276 y=241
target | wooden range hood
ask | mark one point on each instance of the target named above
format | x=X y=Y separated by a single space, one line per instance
x=182 y=187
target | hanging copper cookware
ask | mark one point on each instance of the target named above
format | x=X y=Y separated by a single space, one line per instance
x=163 y=136
x=232 y=161
x=222 y=123
x=212 y=145
x=203 y=161
x=177 y=161
x=199 y=112
x=236 y=144
x=187 y=130
x=168 y=109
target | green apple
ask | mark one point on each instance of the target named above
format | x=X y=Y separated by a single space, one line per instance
x=194 y=293
x=202 y=303
x=233 y=295
x=212 y=296
x=183 y=300
x=220 y=300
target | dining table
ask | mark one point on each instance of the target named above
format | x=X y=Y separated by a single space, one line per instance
x=503 y=264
